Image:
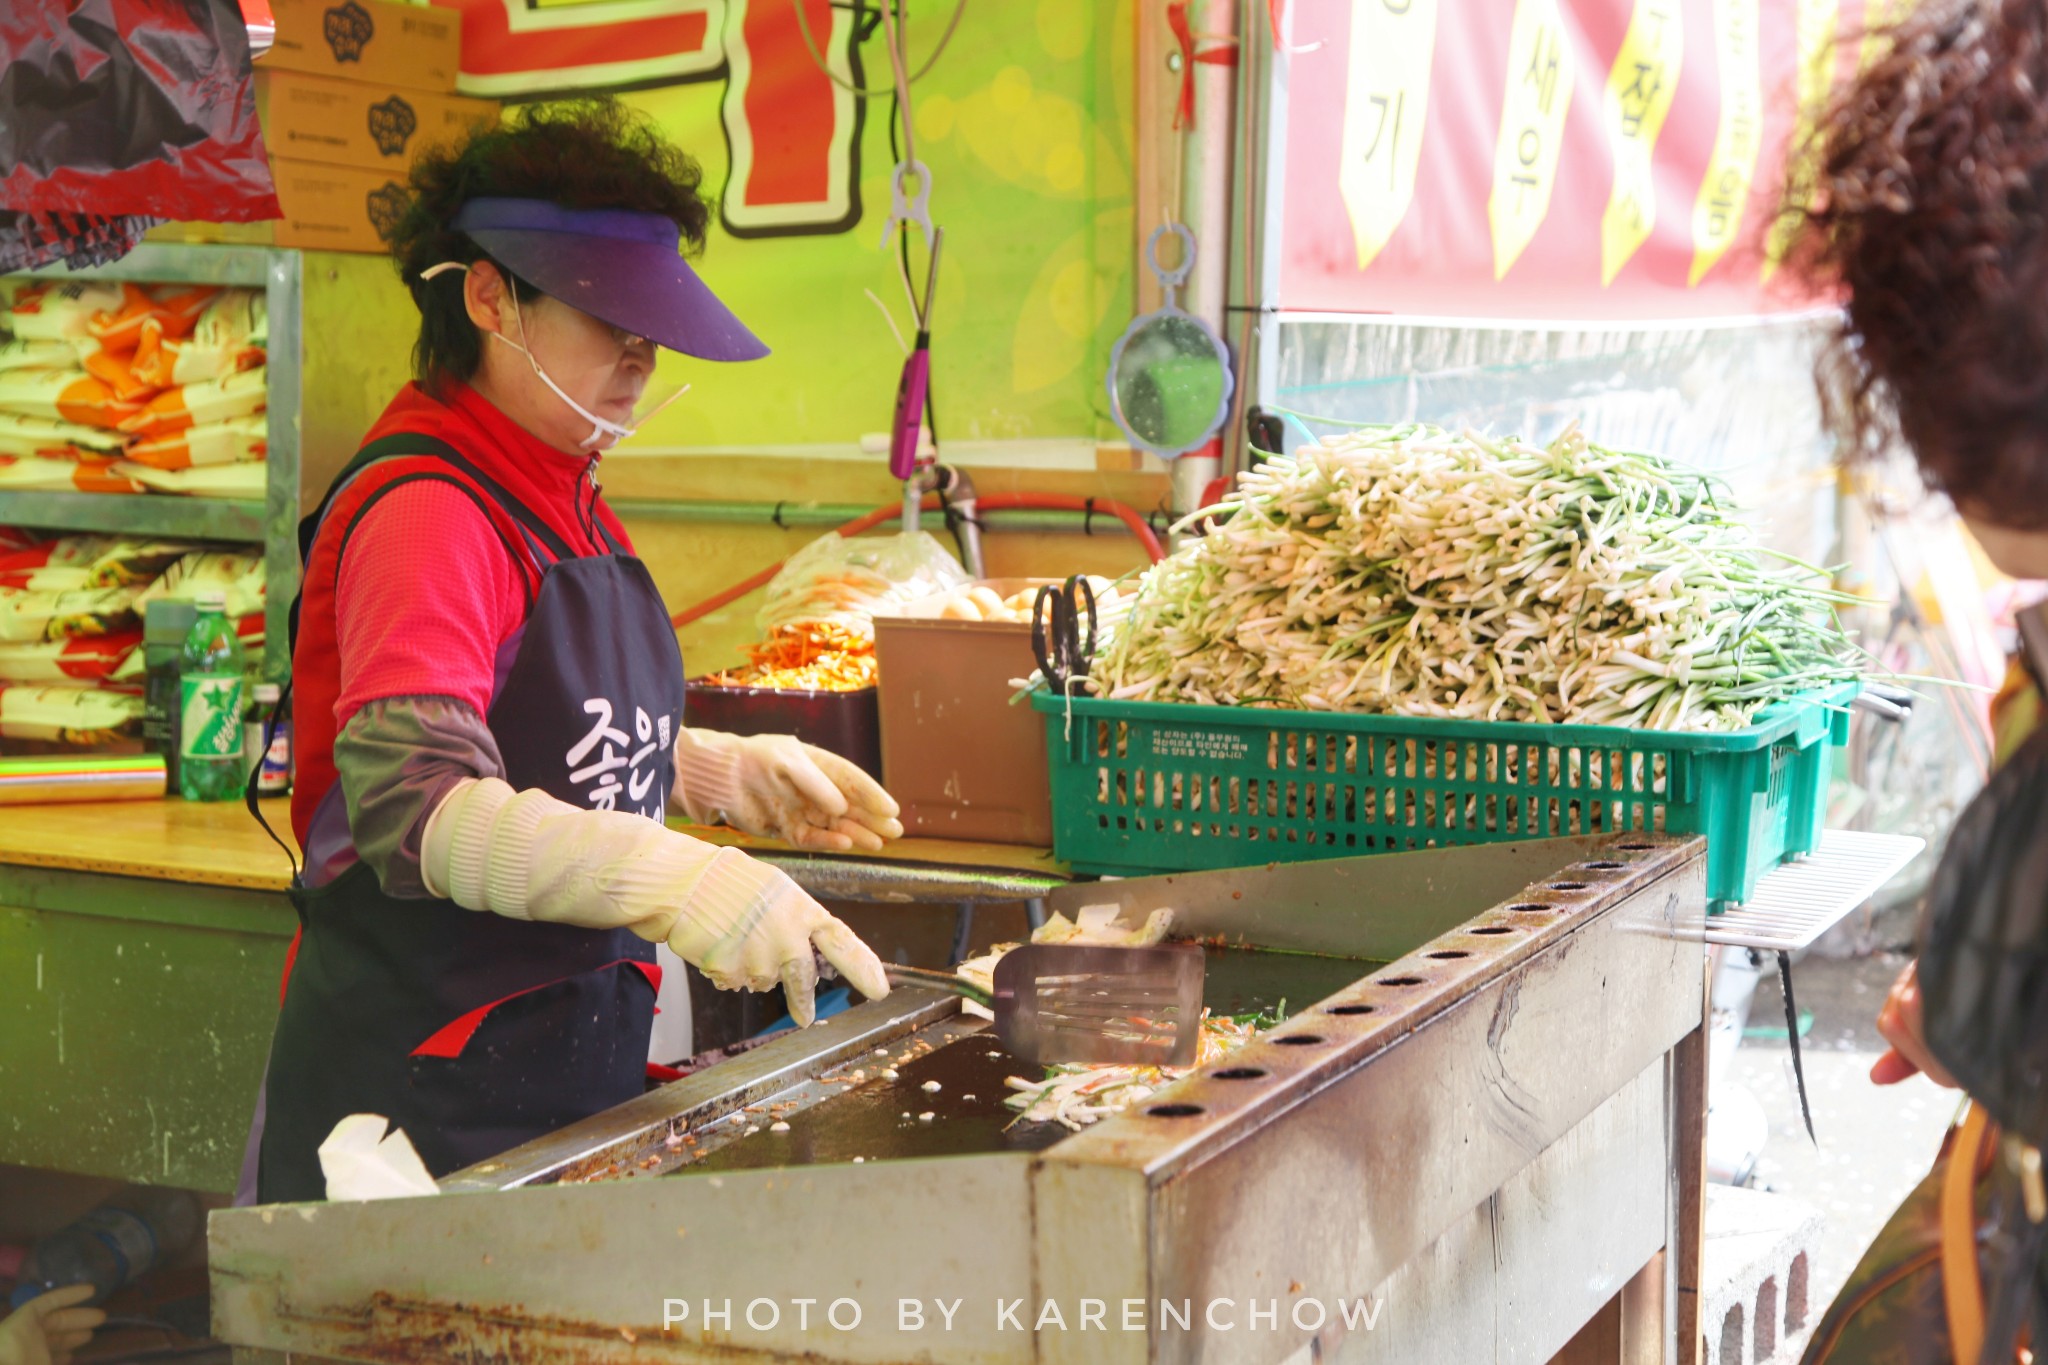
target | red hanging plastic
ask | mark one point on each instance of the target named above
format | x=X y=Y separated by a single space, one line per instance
x=131 y=107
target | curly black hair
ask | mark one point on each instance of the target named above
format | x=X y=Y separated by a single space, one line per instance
x=1922 y=202
x=585 y=154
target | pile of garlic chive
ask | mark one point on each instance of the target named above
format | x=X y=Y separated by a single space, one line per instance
x=1413 y=571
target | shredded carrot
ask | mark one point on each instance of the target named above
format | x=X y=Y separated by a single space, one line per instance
x=816 y=656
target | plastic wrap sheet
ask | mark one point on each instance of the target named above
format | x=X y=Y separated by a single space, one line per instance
x=29 y=241
x=130 y=107
x=1735 y=400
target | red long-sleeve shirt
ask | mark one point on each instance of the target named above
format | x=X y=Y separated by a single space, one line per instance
x=428 y=595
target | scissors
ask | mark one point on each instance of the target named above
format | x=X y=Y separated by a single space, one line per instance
x=1063 y=655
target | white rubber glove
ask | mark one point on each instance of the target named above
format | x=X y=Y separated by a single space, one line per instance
x=526 y=855
x=778 y=787
x=748 y=925
x=46 y=1330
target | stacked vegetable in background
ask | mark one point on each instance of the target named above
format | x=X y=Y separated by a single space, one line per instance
x=983 y=603
x=1417 y=572
x=127 y=388
x=818 y=617
x=71 y=659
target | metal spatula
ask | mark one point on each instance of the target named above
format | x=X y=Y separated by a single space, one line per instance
x=1084 y=1003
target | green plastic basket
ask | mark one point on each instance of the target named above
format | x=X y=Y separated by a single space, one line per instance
x=1144 y=787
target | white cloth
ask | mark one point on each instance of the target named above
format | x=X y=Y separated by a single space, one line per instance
x=362 y=1161
x=674 y=1037
x=778 y=787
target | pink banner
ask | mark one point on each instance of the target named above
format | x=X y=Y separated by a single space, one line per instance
x=1573 y=160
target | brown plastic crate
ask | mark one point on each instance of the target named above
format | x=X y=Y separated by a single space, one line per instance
x=963 y=762
x=841 y=722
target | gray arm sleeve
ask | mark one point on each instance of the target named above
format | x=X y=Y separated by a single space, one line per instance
x=397 y=758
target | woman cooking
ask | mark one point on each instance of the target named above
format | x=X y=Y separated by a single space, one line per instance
x=491 y=696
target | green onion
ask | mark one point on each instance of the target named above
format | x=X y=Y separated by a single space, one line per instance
x=1413 y=571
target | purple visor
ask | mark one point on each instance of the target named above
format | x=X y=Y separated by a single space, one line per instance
x=618 y=265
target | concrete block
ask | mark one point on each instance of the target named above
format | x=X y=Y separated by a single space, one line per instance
x=1757 y=1277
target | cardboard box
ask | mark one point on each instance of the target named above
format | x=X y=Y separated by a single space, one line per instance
x=354 y=123
x=961 y=761
x=332 y=208
x=410 y=46
x=336 y=208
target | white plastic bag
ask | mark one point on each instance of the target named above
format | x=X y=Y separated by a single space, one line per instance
x=845 y=580
x=238 y=575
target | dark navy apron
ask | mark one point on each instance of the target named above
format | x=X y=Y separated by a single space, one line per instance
x=473 y=1032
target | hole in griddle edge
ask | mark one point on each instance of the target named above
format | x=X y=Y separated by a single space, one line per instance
x=1298 y=1039
x=1530 y=907
x=1240 y=1073
x=1401 y=981
x=1352 y=1009
x=1495 y=929
x=1604 y=866
x=1567 y=886
x=1174 y=1111
x=1450 y=953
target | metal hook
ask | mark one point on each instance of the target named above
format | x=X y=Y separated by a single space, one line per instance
x=906 y=210
x=1171 y=280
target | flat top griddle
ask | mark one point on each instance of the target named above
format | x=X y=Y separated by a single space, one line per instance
x=856 y=1112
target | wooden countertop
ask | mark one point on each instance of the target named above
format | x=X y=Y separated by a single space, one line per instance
x=208 y=843
x=217 y=844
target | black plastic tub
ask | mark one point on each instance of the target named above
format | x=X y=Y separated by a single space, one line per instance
x=845 y=723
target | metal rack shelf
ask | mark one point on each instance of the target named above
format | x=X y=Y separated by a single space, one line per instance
x=196 y=518
x=272 y=522
x=1796 y=903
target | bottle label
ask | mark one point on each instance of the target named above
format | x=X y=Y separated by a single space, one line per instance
x=211 y=717
x=277 y=763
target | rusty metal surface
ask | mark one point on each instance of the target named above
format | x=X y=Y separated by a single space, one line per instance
x=1467 y=1070
x=895 y=1117
x=1375 y=907
x=1314 y=1050
x=829 y=1085
x=1454 y=1087
x=584 y=1273
x=888 y=883
x=626 y=1135
x=1487 y=1289
x=857 y=1109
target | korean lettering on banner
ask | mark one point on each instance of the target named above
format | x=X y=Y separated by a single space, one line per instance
x=1815 y=24
x=1724 y=195
x=1393 y=43
x=1525 y=153
x=607 y=761
x=1640 y=87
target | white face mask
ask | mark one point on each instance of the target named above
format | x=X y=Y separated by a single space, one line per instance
x=603 y=434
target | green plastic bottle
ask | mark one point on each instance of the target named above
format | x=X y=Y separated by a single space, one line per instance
x=211 y=700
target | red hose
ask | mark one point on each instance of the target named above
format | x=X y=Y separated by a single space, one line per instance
x=990 y=502
x=1069 y=502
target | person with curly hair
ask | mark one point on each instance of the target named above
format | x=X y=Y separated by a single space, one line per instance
x=1922 y=204
x=490 y=695
x=1928 y=183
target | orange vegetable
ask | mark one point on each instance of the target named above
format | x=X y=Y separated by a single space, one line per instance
x=817 y=656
